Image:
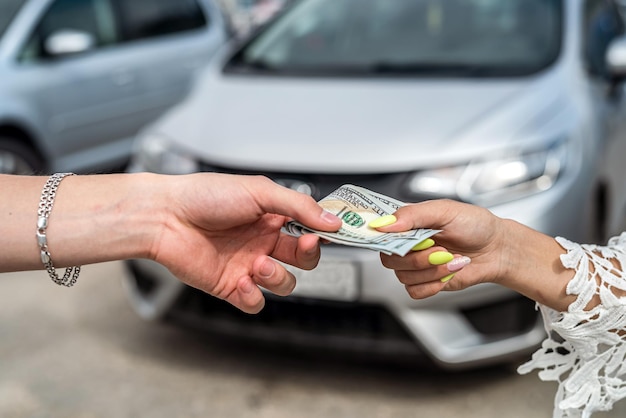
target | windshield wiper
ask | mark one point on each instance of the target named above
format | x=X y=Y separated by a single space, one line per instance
x=471 y=70
x=382 y=68
x=452 y=69
x=241 y=64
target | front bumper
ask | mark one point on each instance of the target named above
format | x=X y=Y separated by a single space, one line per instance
x=483 y=325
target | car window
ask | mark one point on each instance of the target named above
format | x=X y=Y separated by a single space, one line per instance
x=602 y=23
x=412 y=36
x=93 y=17
x=111 y=22
x=149 y=18
x=8 y=9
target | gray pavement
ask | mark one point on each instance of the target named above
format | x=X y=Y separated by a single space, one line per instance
x=83 y=353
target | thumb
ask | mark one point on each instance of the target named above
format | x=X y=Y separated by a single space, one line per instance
x=433 y=214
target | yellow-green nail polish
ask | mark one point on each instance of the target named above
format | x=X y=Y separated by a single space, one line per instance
x=382 y=221
x=440 y=257
x=447 y=278
x=427 y=243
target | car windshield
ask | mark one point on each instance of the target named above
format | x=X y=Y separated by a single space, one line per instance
x=439 y=37
x=8 y=9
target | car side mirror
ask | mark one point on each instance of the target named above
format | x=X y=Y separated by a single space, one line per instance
x=69 y=42
x=616 y=59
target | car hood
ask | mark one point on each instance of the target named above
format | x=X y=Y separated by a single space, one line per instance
x=357 y=125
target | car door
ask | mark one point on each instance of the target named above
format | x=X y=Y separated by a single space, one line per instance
x=83 y=99
x=171 y=40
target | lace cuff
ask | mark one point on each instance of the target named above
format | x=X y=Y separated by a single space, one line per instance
x=585 y=351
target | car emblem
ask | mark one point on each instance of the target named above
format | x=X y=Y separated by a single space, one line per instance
x=298 y=186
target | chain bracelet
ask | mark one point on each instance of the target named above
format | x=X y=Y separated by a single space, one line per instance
x=46 y=203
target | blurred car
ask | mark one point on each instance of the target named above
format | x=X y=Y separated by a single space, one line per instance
x=515 y=105
x=79 y=78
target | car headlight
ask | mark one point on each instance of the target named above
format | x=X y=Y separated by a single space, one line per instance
x=493 y=180
x=158 y=154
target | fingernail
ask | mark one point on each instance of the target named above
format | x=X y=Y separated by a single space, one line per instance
x=440 y=257
x=267 y=269
x=247 y=286
x=427 y=243
x=458 y=263
x=382 y=221
x=329 y=217
x=447 y=278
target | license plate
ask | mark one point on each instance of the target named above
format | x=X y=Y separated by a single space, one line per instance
x=331 y=279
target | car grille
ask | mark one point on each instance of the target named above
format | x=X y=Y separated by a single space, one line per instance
x=362 y=330
x=343 y=326
x=303 y=322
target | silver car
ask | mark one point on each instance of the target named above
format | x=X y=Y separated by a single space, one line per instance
x=78 y=79
x=515 y=105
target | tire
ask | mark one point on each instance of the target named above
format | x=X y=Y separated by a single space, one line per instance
x=18 y=158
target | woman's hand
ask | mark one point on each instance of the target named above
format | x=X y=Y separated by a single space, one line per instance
x=500 y=250
x=468 y=233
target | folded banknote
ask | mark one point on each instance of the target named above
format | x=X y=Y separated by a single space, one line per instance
x=357 y=207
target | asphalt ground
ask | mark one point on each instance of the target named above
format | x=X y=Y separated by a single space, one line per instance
x=83 y=353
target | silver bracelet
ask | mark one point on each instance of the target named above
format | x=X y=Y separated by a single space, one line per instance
x=45 y=208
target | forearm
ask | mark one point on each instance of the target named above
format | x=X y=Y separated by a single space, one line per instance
x=94 y=219
x=531 y=265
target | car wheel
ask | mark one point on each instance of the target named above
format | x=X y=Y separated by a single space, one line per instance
x=18 y=158
x=151 y=289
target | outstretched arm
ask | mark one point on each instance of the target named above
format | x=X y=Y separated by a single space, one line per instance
x=219 y=233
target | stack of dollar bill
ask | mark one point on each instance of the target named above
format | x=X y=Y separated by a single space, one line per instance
x=357 y=207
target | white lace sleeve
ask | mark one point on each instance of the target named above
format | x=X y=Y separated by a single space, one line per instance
x=585 y=351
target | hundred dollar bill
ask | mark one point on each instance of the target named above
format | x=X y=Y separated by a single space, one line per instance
x=357 y=207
